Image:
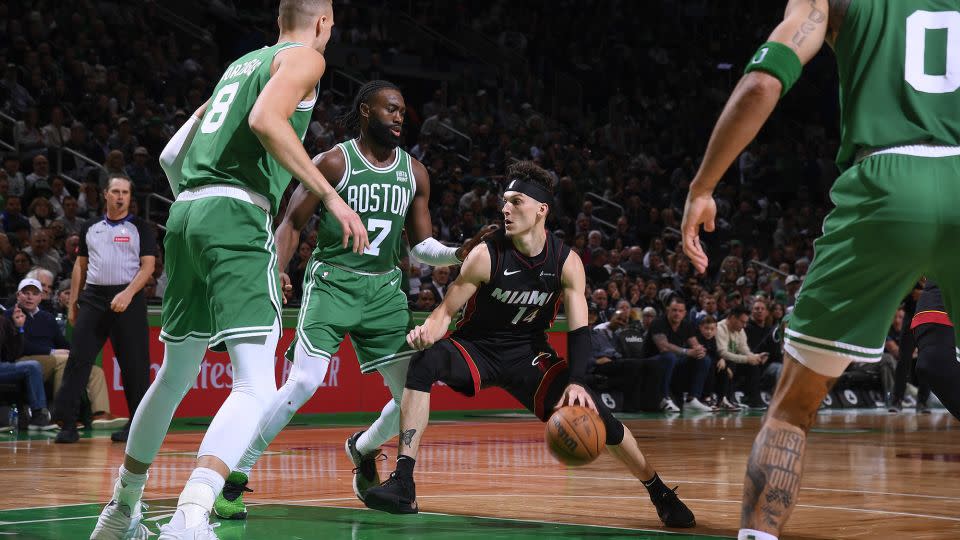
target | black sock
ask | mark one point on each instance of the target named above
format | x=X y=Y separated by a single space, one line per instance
x=655 y=485
x=405 y=466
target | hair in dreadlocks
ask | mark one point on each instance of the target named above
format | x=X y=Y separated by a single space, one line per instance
x=351 y=119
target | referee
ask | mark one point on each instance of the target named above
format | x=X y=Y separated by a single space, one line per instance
x=116 y=257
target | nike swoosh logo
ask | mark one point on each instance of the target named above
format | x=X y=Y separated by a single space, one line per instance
x=357 y=171
x=509 y=273
x=394 y=282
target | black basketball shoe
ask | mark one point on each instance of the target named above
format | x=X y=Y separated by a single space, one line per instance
x=672 y=511
x=365 y=474
x=397 y=496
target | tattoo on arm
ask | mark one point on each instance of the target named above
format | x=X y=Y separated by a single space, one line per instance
x=773 y=477
x=814 y=18
x=406 y=437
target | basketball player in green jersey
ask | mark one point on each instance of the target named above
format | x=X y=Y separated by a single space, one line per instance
x=221 y=260
x=346 y=292
x=896 y=216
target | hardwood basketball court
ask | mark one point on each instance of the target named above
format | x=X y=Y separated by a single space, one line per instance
x=489 y=475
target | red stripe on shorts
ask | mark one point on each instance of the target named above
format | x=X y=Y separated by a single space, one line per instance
x=474 y=372
x=541 y=394
x=930 y=317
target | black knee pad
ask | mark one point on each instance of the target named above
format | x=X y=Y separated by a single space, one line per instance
x=615 y=431
x=613 y=426
x=441 y=362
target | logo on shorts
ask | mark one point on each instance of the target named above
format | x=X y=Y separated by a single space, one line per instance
x=539 y=361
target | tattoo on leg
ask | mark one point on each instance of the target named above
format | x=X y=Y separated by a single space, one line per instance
x=406 y=437
x=773 y=477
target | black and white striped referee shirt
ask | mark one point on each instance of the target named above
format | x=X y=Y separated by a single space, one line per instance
x=114 y=248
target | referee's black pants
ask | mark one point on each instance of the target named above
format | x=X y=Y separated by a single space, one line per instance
x=129 y=334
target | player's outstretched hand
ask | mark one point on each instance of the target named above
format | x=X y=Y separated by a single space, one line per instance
x=485 y=232
x=286 y=287
x=575 y=394
x=698 y=210
x=350 y=223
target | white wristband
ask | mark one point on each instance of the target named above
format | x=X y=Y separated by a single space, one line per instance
x=434 y=253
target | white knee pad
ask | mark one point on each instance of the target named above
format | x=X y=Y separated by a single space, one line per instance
x=302 y=382
x=181 y=364
x=387 y=425
x=307 y=373
x=395 y=377
x=254 y=389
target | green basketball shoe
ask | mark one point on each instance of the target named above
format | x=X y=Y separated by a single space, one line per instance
x=229 y=503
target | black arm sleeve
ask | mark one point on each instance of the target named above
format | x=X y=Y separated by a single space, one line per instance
x=82 y=249
x=579 y=354
x=148 y=238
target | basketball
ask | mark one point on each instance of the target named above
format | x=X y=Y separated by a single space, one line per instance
x=575 y=435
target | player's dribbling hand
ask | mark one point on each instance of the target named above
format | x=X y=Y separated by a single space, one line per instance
x=575 y=394
x=349 y=221
x=481 y=235
x=286 y=287
x=700 y=209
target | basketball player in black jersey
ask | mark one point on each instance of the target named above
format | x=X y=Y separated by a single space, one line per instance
x=512 y=291
x=938 y=361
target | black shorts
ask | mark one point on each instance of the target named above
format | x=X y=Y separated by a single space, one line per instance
x=534 y=375
x=930 y=308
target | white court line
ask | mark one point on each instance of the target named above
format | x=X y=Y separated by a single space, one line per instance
x=527 y=495
x=682 y=481
x=512 y=475
x=516 y=520
x=640 y=497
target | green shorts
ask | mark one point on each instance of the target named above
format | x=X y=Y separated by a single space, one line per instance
x=372 y=308
x=897 y=218
x=221 y=264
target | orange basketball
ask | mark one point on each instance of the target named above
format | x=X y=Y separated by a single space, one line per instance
x=575 y=435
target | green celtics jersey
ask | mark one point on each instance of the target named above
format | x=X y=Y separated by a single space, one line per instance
x=899 y=66
x=224 y=149
x=381 y=197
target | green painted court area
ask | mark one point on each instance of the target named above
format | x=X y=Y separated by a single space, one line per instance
x=312 y=522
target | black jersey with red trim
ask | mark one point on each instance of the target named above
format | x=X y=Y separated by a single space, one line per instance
x=930 y=307
x=520 y=301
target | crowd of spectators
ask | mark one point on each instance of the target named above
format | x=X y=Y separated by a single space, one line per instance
x=622 y=135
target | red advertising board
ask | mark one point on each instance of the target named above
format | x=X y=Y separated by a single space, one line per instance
x=345 y=389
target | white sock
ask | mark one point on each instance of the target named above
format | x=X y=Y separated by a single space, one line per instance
x=196 y=499
x=305 y=377
x=387 y=425
x=181 y=364
x=254 y=387
x=129 y=487
x=750 y=534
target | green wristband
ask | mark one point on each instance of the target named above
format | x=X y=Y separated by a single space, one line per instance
x=778 y=60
